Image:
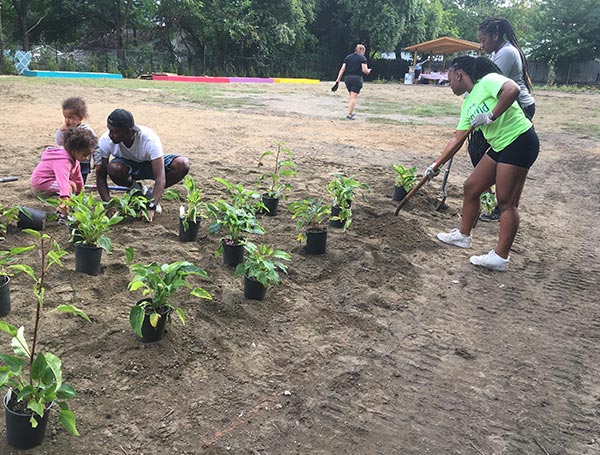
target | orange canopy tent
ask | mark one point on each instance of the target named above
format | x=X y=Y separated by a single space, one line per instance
x=442 y=46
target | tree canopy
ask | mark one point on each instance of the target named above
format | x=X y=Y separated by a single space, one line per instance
x=283 y=37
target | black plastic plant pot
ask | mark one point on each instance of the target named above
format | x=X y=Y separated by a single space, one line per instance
x=32 y=219
x=87 y=258
x=153 y=334
x=271 y=203
x=335 y=211
x=399 y=193
x=233 y=254
x=19 y=432
x=253 y=289
x=4 y=295
x=191 y=234
x=316 y=242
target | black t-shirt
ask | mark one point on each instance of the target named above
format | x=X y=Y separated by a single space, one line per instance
x=354 y=64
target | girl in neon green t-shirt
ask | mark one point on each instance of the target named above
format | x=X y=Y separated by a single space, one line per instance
x=491 y=106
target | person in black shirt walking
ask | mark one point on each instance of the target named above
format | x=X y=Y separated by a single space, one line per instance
x=354 y=66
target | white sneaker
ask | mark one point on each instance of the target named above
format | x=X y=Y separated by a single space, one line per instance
x=491 y=261
x=456 y=238
x=158 y=209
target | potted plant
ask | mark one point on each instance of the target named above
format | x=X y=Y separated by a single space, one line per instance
x=190 y=214
x=235 y=221
x=405 y=179
x=35 y=379
x=159 y=283
x=488 y=201
x=241 y=197
x=274 y=179
x=311 y=223
x=260 y=269
x=90 y=218
x=8 y=257
x=130 y=205
x=8 y=216
x=342 y=189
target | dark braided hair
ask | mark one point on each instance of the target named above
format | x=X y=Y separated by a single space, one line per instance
x=475 y=67
x=504 y=29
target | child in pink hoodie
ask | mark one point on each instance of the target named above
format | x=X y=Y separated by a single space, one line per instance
x=59 y=171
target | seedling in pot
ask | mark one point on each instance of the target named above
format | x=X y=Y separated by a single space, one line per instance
x=235 y=221
x=8 y=216
x=261 y=263
x=240 y=197
x=282 y=168
x=343 y=189
x=195 y=207
x=36 y=379
x=89 y=217
x=405 y=177
x=488 y=201
x=159 y=283
x=311 y=215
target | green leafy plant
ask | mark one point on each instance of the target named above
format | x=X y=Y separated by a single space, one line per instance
x=405 y=177
x=261 y=263
x=89 y=217
x=8 y=216
x=9 y=257
x=196 y=207
x=343 y=189
x=282 y=168
x=36 y=378
x=488 y=201
x=159 y=283
x=310 y=215
x=131 y=204
x=241 y=197
x=235 y=221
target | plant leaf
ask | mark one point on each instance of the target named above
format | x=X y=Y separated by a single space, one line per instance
x=67 y=419
x=73 y=310
x=154 y=318
x=136 y=319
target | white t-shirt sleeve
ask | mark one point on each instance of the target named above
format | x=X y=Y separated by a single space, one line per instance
x=151 y=144
x=105 y=145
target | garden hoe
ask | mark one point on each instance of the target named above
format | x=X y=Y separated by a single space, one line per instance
x=438 y=163
x=442 y=203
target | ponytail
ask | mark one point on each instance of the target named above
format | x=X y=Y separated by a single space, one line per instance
x=504 y=29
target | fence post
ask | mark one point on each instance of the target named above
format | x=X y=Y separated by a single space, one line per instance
x=106 y=59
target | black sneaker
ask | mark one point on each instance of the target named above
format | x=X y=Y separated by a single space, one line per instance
x=493 y=216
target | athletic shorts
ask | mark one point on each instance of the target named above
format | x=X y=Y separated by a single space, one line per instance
x=353 y=83
x=143 y=170
x=521 y=152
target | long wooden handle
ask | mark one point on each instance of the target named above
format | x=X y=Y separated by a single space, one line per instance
x=439 y=162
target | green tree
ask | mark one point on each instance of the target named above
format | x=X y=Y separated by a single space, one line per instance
x=566 y=32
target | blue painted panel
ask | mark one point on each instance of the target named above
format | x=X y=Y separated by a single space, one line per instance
x=71 y=74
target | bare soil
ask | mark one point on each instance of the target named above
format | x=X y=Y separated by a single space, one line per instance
x=391 y=343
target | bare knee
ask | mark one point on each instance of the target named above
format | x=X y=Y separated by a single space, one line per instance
x=178 y=169
x=471 y=189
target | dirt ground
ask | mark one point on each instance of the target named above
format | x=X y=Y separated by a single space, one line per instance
x=391 y=343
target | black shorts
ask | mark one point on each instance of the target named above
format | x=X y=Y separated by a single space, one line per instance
x=353 y=83
x=521 y=152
